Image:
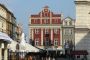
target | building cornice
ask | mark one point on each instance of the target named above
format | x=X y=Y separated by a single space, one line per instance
x=45 y=24
x=3 y=17
x=50 y=26
x=71 y=26
x=82 y=2
x=4 y=7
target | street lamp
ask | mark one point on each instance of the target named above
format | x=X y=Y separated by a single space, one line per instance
x=56 y=48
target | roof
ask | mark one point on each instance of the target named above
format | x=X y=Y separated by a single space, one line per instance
x=69 y=19
x=3 y=6
x=56 y=15
x=5 y=37
x=35 y=16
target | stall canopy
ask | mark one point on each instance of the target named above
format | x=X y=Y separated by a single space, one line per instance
x=25 y=46
x=5 y=37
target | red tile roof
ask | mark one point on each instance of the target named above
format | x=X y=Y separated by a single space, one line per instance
x=35 y=16
x=56 y=15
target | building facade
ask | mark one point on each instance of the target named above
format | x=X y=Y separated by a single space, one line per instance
x=7 y=22
x=68 y=33
x=82 y=26
x=45 y=29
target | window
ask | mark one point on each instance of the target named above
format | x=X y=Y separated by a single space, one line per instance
x=36 y=21
x=37 y=42
x=36 y=31
x=56 y=20
x=70 y=23
x=56 y=42
x=68 y=31
x=56 y=31
x=0 y=24
x=47 y=42
x=46 y=21
x=46 y=31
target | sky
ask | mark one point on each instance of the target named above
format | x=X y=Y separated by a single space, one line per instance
x=22 y=9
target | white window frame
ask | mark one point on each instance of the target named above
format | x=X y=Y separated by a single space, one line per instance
x=46 y=21
x=36 y=31
x=56 y=20
x=47 y=42
x=46 y=31
x=56 y=31
x=37 y=42
x=55 y=42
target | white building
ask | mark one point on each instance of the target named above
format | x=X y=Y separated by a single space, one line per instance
x=82 y=25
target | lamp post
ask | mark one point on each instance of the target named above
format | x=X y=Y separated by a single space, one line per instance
x=56 y=48
x=66 y=47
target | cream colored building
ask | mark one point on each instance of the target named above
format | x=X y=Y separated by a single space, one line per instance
x=68 y=34
x=7 y=30
x=82 y=25
x=7 y=22
x=2 y=19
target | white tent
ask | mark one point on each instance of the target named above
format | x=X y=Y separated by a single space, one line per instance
x=12 y=46
x=5 y=37
x=26 y=47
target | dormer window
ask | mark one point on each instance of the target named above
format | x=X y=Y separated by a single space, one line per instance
x=65 y=22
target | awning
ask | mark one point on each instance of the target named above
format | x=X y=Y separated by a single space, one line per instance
x=79 y=52
x=12 y=46
x=5 y=37
x=28 y=48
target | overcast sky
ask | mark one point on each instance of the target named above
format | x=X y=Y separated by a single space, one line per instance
x=22 y=9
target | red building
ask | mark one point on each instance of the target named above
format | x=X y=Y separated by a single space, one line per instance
x=45 y=29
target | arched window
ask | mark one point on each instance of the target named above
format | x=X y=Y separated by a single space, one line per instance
x=17 y=47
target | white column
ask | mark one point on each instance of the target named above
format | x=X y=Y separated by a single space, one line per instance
x=53 y=58
x=61 y=36
x=41 y=18
x=29 y=20
x=0 y=51
x=49 y=58
x=51 y=34
x=32 y=34
x=42 y=37
x=50 y=18
x=5 y=52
